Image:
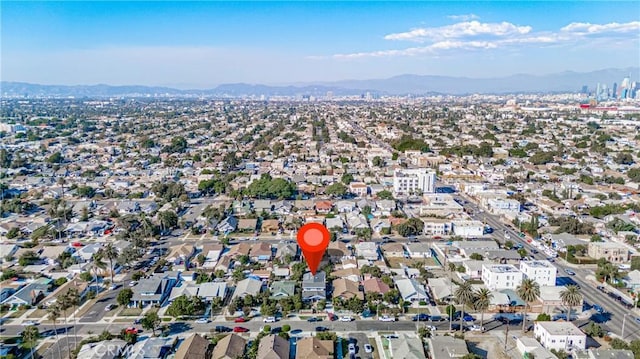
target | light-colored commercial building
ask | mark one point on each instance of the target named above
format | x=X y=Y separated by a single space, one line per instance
x=542 y=272
x=501 y=276
x=407 y=181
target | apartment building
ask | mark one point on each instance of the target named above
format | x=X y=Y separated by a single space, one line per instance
x=613 y=252
x=560 y=336
x=542 y=272
x=501 y=276
x=407 y=181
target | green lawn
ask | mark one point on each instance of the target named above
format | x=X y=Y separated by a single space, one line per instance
x=130 y=312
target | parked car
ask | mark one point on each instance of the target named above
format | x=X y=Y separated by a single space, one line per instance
x=240 y=330
x=314 y=319
x=420 y=318
x=386 y=318
x=321 y=329
x=476 y=328
x=239 y=320
x=202 y=321
x=109 y=307
x=368 y=348
x=276 y=330
x=346 y=319
x=132 y=283
x=352 y=348
x=222 y=329
x=132 y=330
x=269 y=319
x=29 y=323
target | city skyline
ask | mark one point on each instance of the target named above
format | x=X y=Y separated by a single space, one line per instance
x=199 y=45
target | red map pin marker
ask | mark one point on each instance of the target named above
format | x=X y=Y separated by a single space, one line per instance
x=313 y=239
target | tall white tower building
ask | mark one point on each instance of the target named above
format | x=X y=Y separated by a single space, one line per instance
x=406 y=181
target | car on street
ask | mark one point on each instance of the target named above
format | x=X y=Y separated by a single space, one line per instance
x=269 y=319
x=352 y=348
x=137 y=321
x=420 y=318
x=113 y=287
x=222 y=329
x=569 y=272
x=368 y=348
x=29 y=323
x=109 y=307
x=132 y=283
x=202 y=321
x=314 y=319
x=276 y=330
x=476 y=328
x=386 y=318
x=598 y=308
x=346 y=319
x=132 y=330
x=240 y=330
x=239 y=320
x=321 y=329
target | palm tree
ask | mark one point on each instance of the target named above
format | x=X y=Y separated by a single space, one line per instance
x=30 y=337
x=110 y=252
x=73 y=298
x=464 y=294
x=529 y=291
x=54 y=314
x=63 y=303
x=607 y=271
x=571 y=297
x=482 y=300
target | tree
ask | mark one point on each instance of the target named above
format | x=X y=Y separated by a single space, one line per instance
x=55 y=158
x=168 y=219
x=385 y=195
x=508 y=244
x=73 y=300
x=150 y=321
x=110 y=252
x=594 y=330
x=543 y=317
x=464 y=295
x=377 y=161
x=476 y=256
x=482 y=300
x=30 y=337
x=124 y=297
x=413 y=226
x=28 y=258
x=346 y=178
x=529 y=291
x=624 y=158
x=53 y=312
x=336 y=190
x=571 y=297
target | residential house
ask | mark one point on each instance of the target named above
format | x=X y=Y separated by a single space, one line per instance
x=375 y=285
x=247 y=286
x=560 y=336
x=240 y=249
x=7 y=251
x=334 y=224
x=411 y=290
x=353 y=274
x=85 y=253
x=31 y=294
x=270 y=226
x=313 y=348
x=393 y=250
x=358 y=188
x=324 y=206
x=632 y=280
x=153 y=290
x=282 y=289
x=613 y=252
x=551 y=302
x=273 y=347
x=286 y=249
x=194 y=347
x=442 y=289
x=106 y=349
x=418 y=250
x=407 y=347
x=357 y=221
x=261 y=252
x=314 y=286
x=600 y=353
x=446 y=347
x=248 y=225
x=212 y=254
x=337 y=251
x=346 y=289
x=385 y=207
x=227 y=225
x=81 y=286
x=152 y=348
x=209 y=290
x=381 y=225
x=180 y=254
x=230 y=347
x=529 y=347
x=367 y=250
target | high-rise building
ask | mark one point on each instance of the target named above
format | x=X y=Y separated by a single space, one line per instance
x=407 y=181
x=615 y=90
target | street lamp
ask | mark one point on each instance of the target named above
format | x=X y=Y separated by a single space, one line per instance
x=624 y=319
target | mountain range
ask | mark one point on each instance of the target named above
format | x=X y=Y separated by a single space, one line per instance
x=567 y=81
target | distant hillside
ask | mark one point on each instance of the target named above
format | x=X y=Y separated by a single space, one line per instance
x=567 y=81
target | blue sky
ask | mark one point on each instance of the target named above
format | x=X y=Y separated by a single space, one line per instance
x=202 y=44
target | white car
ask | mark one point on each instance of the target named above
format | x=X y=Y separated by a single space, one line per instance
x=386 y=318
x=346 y=319
x=431 y=328
x=202 y=321
x=352 y=348
x=269 y=320
x=109 y=307
x=476 y=328
x=29 y=323
x=132 y=283
x=368 y=348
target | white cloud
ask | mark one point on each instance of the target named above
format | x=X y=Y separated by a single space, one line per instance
x=464 y=17
x=585 y=28
x=460 y=30
x=474 y=35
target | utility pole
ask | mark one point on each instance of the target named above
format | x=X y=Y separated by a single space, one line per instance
x=506 y=336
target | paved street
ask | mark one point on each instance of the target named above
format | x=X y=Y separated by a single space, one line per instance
x=617 y=311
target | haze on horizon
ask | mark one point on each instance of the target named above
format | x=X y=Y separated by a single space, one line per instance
x=203 y=44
